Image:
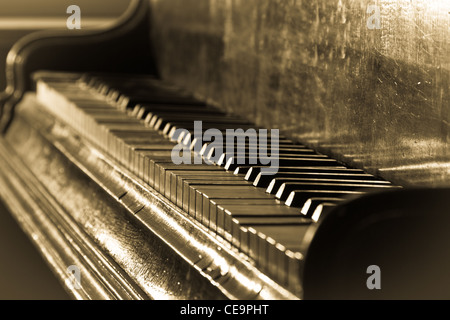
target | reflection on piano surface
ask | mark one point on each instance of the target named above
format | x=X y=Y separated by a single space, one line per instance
x=90 y=119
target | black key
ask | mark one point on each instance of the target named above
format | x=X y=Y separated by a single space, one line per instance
x=169 y=110
x=263 y=181
x=241 y=170
x=297 y=198
x=276 y=183
x=129 y=101
x=311 y=204
x=176 y=127
x=322 y=210
x=158 y=120
x=254 y=171
x=257 y=151
x=294 y=161
x=287 y=187
x=258 y=159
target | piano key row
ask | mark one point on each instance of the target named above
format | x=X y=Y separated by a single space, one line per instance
x=159 y=166
x=275 y=184
x=141 y=137
x=286 y=187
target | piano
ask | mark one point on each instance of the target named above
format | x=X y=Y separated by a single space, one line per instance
x=90 y=119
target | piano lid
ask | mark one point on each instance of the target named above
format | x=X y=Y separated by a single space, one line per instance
x=367 y=81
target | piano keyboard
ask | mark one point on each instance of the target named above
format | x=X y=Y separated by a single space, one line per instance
x=267 y=218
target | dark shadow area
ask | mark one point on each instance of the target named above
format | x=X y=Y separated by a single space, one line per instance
x=24 y=275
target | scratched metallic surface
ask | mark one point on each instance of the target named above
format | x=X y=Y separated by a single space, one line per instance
x=376 y=98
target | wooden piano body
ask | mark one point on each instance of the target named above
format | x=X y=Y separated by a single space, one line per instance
x=375 y=99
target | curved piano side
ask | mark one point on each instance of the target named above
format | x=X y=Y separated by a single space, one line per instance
x=68 y=197
x=123 y=47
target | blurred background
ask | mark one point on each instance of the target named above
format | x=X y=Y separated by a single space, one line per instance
x=21 y=17
x=23 y=273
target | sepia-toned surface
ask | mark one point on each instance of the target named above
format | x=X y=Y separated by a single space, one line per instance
x=375 y=98
x=24 y=274
x=22 y=17
x=135 y=252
